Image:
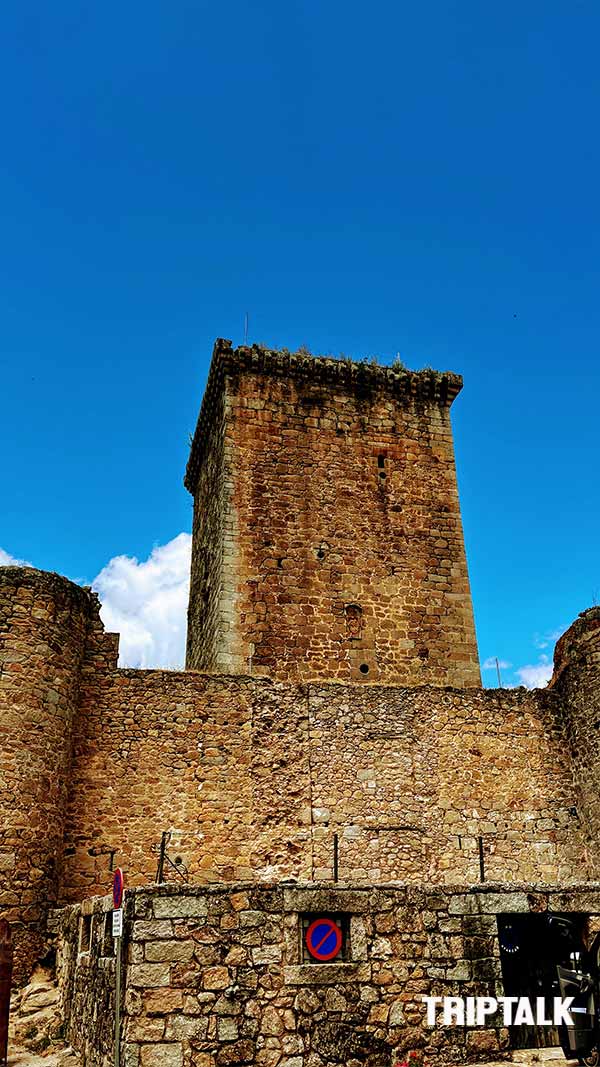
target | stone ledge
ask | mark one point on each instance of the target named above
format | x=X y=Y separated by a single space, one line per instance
x=326 y=973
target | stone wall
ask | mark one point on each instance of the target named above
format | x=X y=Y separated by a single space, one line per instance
x=256 y=777
x=576 y=685
x=45 y=622
x=85 y=969
x=262 y=779
x=212 y=589
x=217 y=977
x=338 y=505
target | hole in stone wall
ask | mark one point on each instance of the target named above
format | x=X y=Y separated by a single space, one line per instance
x=322 y=550
x=423 y=653
x=280 y=561
x=364 y=668
x=381 y=461
x=85 y=933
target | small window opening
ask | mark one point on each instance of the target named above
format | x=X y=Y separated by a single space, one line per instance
x=364 y=668
x=322 y=550
x=85 y=933
x=381 y=462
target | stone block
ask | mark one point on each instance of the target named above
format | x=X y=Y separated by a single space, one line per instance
x=267 y=954
x=164 y=1055
x=149 y=975
x=215 y=978
x=180 y=907
x=169 y=951
x=148 y=929
x=186 y=1028
x=163 y=1001
x=146 y=1028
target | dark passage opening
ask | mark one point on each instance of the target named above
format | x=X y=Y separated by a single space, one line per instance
x=531 y=946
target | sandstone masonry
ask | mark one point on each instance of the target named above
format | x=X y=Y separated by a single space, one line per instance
x=327 y=533
x=327 y=539
x=216 y=977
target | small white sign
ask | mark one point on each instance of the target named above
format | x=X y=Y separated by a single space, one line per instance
x=117 y=924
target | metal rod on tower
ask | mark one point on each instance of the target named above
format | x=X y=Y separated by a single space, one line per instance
x=161 y=858
x=498 y=672
x=335 y=857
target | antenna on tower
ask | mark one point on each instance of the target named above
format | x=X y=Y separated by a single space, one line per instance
x=498 y=673
x=246 y=328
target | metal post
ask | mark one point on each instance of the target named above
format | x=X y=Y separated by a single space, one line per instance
x=335 y=857
x=481 y=861
x=117 y=1002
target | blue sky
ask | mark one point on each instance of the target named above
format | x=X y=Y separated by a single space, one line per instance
x=372 y=179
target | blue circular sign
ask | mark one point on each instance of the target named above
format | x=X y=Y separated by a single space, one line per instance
x=117 y=888
x=324 y=939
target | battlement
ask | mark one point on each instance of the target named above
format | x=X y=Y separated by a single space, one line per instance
x=327 y=538
x=361 y=378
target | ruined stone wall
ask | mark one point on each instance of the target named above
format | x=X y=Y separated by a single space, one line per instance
x=345 y=545
x=256 y=777
x=218 y=976
x=576 y=685
x=44 y=624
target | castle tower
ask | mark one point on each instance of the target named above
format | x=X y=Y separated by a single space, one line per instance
x=44 y=621
x=327 y=537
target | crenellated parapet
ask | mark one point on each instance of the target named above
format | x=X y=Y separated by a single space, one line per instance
x=327 y=537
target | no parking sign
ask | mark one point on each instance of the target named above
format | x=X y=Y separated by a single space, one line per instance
x=324 y=939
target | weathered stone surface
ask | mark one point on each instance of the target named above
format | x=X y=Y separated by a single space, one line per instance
x=330 y=584
x=179 y=907
x=263 y=774
x=353 y=1010
x=161 y=1055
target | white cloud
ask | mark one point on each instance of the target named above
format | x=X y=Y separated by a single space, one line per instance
x=6 y=560
x=550 y=638
x=146 y=603
x=535 y=676
x=490 y=664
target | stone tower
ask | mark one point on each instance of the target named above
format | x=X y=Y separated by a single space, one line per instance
x=44 y=625
x=327 y=537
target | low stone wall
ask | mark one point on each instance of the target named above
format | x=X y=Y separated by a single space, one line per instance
x=218 y=976
x=85 y=968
